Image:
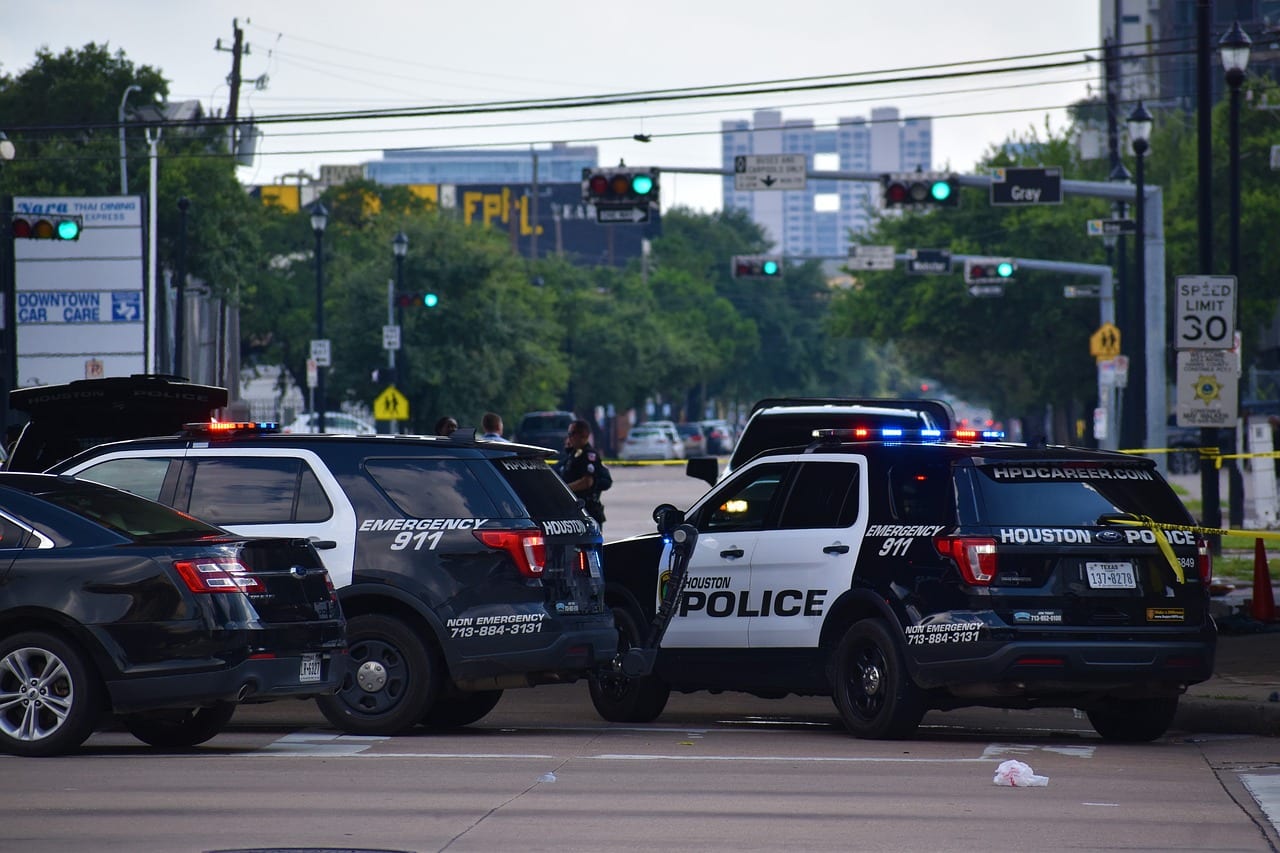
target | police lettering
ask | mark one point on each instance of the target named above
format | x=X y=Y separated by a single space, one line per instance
x=376 y=524
x=1036 y=472
x=786 y=602
x=557 y=528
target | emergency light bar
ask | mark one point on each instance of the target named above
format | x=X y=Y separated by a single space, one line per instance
x=900 y=434
x=226 y=429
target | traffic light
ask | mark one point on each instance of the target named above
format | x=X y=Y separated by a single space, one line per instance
x=620 y=187
x=756 y=266
x=920 y=189
x=413 y=300
x=988 y=270
x=41 y=227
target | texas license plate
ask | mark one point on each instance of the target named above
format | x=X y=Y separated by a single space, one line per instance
x=1110 y=575
x=310 y=670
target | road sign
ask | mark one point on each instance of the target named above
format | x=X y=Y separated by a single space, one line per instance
x=313 y=373
x=621 y=215
x=320 y=352
x=986 y=290
x=871 y=257
x=769 y=172
x=1105 y=343
x=928 y=261
x=391 y=405
x=390 y=337
x=1207 y=388
x=1109 y=227
x=1017 y=186
x=1082 y=291
x=1205 y=311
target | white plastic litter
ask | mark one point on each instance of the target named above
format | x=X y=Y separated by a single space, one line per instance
x=1015 y=774
x=547 y=777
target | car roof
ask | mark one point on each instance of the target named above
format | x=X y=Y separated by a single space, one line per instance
x=979 y=451
x=938 y=410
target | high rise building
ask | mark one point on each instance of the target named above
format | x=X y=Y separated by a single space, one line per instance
x=561 y=163
x=818 y=220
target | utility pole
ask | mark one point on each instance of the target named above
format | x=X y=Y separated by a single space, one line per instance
x=237 y=50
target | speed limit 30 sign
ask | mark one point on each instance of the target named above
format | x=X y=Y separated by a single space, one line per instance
x=1205 y=311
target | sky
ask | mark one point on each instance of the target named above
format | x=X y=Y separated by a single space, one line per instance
x=323 y=56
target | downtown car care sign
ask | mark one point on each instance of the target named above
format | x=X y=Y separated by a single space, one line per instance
x=80 y=309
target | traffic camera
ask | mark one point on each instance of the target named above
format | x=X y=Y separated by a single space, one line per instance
x=988 y=270
x=920 y=189
x=620 y=187
x=756 y=266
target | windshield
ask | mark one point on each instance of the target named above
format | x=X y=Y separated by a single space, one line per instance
x=127 y=514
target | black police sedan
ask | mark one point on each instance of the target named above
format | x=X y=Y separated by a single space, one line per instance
x=112 y=606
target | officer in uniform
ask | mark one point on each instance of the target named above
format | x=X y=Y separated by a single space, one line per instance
x=577 y=466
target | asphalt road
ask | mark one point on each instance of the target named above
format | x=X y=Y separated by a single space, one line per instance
x=714 y=772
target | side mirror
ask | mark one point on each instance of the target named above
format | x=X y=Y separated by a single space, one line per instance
x=703 y=468
x=667 y=517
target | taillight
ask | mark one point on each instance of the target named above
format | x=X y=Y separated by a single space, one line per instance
x=212 y=575
x=1204 y=562
x=975 y=557
x=527 y=548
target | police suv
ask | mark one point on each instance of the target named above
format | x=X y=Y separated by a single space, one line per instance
x=932 y=571
x=464 y=566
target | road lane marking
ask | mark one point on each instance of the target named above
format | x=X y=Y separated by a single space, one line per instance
x=836 y=759
x=1266 y=791
x=997 y=749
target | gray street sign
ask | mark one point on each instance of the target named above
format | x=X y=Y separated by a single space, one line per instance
x=622 y=215
x=928 y=261
x=769 y=172
x=1110 y=227
x=986 y=290
x=1204 y=308
x=1016 y=187
x=871 y=257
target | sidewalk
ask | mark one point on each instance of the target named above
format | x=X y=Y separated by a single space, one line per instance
x=1243 y=697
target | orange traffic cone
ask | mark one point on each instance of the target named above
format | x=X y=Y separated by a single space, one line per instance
x=1264 y=603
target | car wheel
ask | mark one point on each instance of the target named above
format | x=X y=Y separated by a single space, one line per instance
x=179 y=728
x=1134 y=720
x=461 y=709
x=620 y=699
x=393 y=680
x=50 y=700
x=871 y=687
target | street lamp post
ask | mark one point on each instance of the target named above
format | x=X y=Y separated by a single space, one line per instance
x=1139 y=122
x=1129 y=416
x=180 y=300
x=319 y=219
x=1234 y=48
x=124 y=164
x=400 y=246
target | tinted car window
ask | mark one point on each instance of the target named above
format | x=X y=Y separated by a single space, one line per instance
x=256 y=490
x=436 y=488
x=921 y=493
x=125 y=513
x=11 y=534
x=1071 y=494
x=540 y=488
x=825 y=494
x=745 y=503
x=143 y=476
x=766 y=432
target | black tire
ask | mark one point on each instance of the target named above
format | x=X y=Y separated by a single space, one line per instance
x=1134 y=720
x=620 y=699
x=392 y=682
x=50 y=699
x=870 y=684
x=461 y=709
x=179 y=728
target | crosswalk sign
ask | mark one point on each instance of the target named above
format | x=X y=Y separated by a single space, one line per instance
x=391 y=405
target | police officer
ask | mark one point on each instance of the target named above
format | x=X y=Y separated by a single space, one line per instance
x=577 y=466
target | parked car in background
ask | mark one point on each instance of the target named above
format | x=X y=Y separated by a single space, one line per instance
x=334 y=422
x=694 y=439
x=651 y=442
x=669 y=427
x=721 y=436
x=544 y=429
x=113 y=606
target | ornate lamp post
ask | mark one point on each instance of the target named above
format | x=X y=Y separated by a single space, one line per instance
x=1139 y=122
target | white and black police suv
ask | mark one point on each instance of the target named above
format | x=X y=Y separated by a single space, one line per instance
x=933 y=571
x=464 y=566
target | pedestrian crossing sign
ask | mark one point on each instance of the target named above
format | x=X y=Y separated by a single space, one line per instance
x=391 y=405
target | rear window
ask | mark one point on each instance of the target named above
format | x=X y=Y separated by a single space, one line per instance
x=1068 y=493
x=540 y=487
x=256 y=490
x=126 y=513
x=441 y=488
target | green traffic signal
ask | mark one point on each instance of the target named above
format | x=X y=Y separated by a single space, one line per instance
x=642 y=184
x=430 y=300
x=1004 y=269
x=68 y=229
x=769 y=267
x=940 y=190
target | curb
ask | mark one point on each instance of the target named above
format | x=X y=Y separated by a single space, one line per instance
x=1228 y=716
